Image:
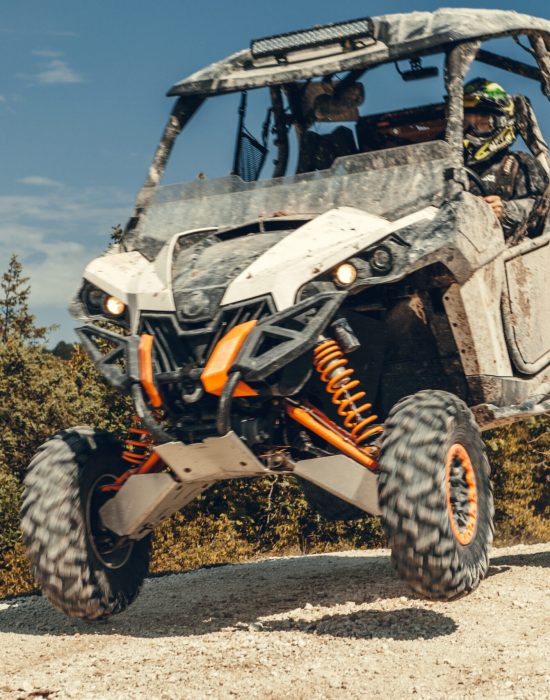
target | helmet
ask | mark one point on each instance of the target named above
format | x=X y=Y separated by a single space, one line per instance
x=484 y=137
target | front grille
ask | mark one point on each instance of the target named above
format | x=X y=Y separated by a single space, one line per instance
x=170 y=350
x=178 y=347
x=179 y=357
x=235 y=315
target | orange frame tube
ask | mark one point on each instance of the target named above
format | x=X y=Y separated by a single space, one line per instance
x=146 y=370
x=152 y=464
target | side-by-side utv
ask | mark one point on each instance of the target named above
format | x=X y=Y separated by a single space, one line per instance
x=354 y=316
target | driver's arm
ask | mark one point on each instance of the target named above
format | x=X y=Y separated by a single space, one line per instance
x=531 y=182
x=515 y=212
x=511 y=213
x=496 y=203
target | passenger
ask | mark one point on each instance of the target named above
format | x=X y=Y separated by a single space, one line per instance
x=512 y=180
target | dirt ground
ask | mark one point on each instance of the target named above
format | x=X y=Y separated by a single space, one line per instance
x=324 y=626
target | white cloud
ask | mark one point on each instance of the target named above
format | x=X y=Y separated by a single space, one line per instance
x=53 y=72
x=3 y=98
x=55 y=233
x=39 y=181
x=57 y=71
x=54 y=267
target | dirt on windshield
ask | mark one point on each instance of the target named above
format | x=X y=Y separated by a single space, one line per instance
x=322 y=626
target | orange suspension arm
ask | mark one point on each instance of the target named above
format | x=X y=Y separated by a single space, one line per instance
x=321 y=425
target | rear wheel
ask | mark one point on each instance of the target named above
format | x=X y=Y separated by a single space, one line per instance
x=435 y=495
x=84 y=569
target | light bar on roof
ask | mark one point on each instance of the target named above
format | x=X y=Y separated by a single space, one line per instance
x=339 y=32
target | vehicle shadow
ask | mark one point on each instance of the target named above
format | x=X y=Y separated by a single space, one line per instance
x=534 y=559
x=502 y=564
x=307 y=590
x=405 y=624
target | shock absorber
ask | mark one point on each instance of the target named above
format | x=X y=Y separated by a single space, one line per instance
x=329 y=361
x=137 y=444
x=137 y=452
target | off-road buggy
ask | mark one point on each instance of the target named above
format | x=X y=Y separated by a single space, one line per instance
x=257 y=320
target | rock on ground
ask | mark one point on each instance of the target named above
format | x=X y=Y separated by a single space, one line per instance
x=323 y=626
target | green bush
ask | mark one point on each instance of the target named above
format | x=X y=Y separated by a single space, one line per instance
x=520 y=459
x=10 y=502
x=41 y=394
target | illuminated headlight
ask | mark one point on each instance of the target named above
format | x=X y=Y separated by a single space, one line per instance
x=114 y=306
x=345 y=274
x=381 y=260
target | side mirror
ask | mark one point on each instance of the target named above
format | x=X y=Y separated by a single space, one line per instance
x=417 y=71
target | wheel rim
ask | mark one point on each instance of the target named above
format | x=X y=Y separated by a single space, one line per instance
x=112 y=550
x=461 y=494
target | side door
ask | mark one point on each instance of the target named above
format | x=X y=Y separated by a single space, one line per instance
x=526 y=303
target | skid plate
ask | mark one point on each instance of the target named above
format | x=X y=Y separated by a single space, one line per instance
x=216 y=458
x=344 y=478
x=145 y=500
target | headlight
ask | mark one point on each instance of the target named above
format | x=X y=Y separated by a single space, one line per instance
x=345 y=274
x=194 y=304
x=114 y=306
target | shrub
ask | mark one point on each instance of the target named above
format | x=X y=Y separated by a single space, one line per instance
x=520 y=457
x=10 y=503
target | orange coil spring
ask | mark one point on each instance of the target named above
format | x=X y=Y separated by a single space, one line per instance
x=330 y=362
x=137 y=445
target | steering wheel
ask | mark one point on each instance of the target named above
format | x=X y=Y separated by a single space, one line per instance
x=474 y=177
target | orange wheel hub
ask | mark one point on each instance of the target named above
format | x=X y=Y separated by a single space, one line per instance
x=460 y=484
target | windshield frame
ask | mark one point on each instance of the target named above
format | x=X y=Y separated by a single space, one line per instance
x=458 y=58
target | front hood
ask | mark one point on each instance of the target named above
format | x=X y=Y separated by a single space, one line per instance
x=313 y=249
x=196 y=273
x=202 y=271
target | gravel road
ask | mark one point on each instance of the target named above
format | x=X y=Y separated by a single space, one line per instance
x=324 y=626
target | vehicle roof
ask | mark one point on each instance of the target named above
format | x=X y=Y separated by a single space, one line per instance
x=397 y=36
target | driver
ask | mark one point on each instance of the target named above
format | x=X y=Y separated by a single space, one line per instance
x=512 y=180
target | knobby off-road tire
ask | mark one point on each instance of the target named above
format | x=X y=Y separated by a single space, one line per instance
x=71 y=556
x=435 y=495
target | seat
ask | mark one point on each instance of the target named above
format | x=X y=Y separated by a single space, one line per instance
x=319 y=151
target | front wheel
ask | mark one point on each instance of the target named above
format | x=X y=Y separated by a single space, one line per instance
x=83 y=569
x=435 y=495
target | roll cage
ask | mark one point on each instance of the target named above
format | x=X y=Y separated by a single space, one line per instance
x=286 y=71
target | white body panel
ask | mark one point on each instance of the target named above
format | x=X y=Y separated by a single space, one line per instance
x=329 y=239
x=131 y=278
x=134 y=280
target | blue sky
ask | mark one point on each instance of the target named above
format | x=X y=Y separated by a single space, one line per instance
x=82 y=105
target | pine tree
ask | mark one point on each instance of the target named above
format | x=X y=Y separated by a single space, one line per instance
x=16 y=321
x=116 y=233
